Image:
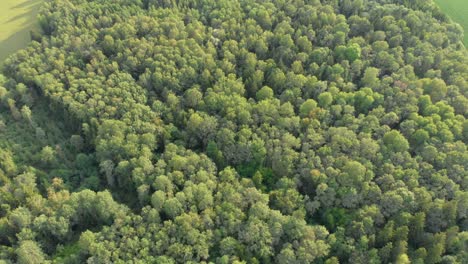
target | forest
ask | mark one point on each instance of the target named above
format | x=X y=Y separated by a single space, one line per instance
x=236 y=131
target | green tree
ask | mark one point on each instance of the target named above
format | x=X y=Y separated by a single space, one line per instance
x=29 y=252
x=396 y=142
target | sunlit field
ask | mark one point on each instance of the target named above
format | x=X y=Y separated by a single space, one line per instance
x=458 y=11
x=17 y=18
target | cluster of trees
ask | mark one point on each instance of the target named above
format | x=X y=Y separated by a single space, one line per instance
x=292 y=131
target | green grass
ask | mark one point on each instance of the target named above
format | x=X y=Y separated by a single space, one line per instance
x=17 y=18
x=65 y=254
x=458 y=11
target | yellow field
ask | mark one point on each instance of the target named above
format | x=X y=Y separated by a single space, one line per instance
x=17 y=17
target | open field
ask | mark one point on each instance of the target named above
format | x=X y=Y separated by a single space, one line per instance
x=17 y=17
x=458 y=11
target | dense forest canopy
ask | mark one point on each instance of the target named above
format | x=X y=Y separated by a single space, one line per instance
x=221 y=131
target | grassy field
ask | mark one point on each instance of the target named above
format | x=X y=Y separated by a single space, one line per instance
x=458 y=11
x=17 y=17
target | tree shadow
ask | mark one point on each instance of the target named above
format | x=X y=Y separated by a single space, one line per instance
x=18 y=40
x=27 y=4
x=32 y=9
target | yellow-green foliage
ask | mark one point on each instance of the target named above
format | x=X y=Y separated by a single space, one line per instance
x=458 y=11
x=17 y=18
